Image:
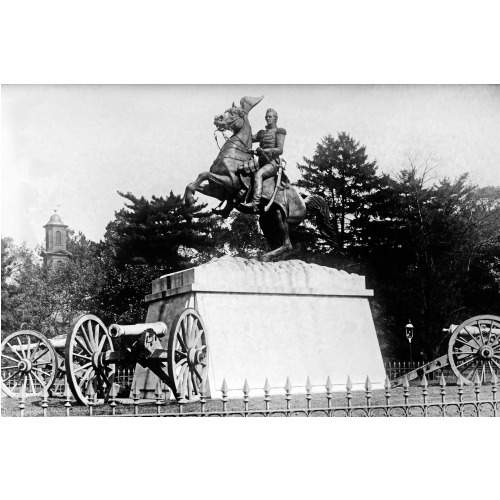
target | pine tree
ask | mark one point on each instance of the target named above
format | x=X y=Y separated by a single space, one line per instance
x=341 y=173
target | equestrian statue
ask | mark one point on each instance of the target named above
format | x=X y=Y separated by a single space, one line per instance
x=254 y=181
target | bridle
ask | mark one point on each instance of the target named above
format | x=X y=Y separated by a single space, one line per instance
x=228 y=126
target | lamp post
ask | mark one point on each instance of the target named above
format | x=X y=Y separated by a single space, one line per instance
x=409 y=336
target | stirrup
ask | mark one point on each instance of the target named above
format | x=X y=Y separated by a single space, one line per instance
x=248 y=208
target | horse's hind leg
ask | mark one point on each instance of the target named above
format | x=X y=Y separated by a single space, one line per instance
x=279 y=240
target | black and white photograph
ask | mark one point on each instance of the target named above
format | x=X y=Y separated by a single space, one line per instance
x=228 y=250
x=249 y=249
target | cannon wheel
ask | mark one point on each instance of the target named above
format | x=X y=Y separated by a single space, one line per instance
x=85 y=345
x=187 y=354
x=474 y=348
x=28 y=360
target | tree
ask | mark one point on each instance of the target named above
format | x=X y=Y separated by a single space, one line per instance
x=442 y=252
x=44 y=297
x=341 y=173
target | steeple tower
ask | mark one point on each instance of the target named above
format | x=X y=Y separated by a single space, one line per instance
x=55 y=241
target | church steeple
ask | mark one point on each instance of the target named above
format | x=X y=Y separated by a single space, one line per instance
x=55 y=241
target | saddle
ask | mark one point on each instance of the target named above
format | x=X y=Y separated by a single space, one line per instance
x=268 y=186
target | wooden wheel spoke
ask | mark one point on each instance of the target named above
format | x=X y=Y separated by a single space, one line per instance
x=465 y=343
x=81 y=356
x=28 y=349
x=8 y=378
x=199 y=333
x=39 y=356
x=14 y=351
x=13 y=367
x=42 y=382
x=11 y=359
x=104 y=376
x=466 y=362
x=32 y=385
x=190 y=325
x=96 y=335
x=189 y=376
x=495 y=363
x=83 y=345
x=181 y=372
x=184 y=332
x=85 y=377
x=473 y=371
x=182 y=354
x=35 y=351
x=181 y=341
x=86 y=365
x=42 y=372
x=20 y=346
x=195 y=372
x=101 y=343
x=465 y=333
x=480 y=332
x=86 y=338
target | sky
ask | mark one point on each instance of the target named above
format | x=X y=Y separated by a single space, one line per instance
x=73 y=147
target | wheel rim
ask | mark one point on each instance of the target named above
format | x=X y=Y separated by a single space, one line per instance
x=87 y=374
x=474 y=349
x=28 y=360
x=188 y=354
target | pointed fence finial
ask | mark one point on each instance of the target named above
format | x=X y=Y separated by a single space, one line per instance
x=424 y=382
x=494 y=379
x=442 y=380
x=349 y=383
x=308 y=385
x=224 y=388
x=368 y=384
x=477 y=380
x=288 y=385
x=267 y=387
x=158 y=390
x=387 y=384
x=246 y=388
x=328 y=385
x=406 y=383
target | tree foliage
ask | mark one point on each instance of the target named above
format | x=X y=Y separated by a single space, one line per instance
x=341 y=173
x=430 y=250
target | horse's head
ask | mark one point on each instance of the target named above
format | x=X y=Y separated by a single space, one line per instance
x=234 y=117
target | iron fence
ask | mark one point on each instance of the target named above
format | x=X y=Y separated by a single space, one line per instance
x=476 y=400
x=396 y=369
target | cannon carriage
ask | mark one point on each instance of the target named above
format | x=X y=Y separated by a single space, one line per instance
x=87 y=358
x=473 y=353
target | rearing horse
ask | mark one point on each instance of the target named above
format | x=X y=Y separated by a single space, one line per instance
x=226 y=181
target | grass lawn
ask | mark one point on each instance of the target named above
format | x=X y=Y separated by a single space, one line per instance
x=10 y=407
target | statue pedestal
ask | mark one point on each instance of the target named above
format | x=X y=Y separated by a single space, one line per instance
x=274 y=320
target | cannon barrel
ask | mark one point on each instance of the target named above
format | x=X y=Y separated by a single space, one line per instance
x=473 y=330
x=159 y=328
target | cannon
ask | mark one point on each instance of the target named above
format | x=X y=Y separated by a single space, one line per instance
x=88 y=358
x=473 y=352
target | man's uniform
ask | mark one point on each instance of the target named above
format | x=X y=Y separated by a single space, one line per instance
x=271 y=140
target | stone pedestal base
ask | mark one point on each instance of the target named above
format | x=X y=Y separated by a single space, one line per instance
x=274 y=320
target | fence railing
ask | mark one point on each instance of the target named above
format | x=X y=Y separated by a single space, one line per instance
x=397 y=369
x=124 y=376
x=423 y=401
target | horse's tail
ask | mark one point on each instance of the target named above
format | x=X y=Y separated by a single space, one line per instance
x=319 y=207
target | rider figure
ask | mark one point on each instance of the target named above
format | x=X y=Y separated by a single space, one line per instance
x=271 y=140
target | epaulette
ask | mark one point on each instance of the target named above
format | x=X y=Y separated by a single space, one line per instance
x=281 y=131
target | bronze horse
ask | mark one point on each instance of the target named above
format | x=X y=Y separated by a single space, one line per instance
x=226 y=181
